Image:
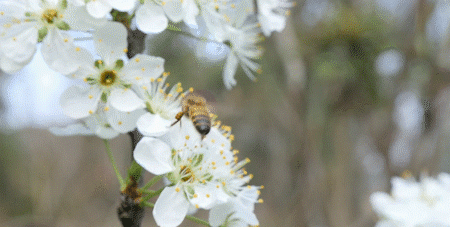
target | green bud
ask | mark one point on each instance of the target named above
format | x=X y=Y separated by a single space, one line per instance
x=149 y=108
x=63 y=26
x=119 y=64
x=64 y=4
x=28 y=14
x=99 y=64
x=104 y=97
x=42 y=33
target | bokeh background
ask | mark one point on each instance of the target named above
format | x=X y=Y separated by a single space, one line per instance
x=352 y=93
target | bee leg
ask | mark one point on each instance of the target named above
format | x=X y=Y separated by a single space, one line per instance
x=175 y=122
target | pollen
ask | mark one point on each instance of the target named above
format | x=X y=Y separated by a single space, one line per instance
x=187 y=137
x=258 y=192
x=144 y=87
x=152 y=80
x=213 y=163
x=207 y=195
x=2 y=13
x=260 y=201
x=223 y=183
x=177 y=189
x=247 y=160
x=179 y=89
x=163 y=3
x=262 y=186
x=66 y=40
x=90 y=96
x=214 y=167
x=77 y=49
x=143 y=69
x=91 y=112
x=217 y=186
x=125 y=50
x=196 y=206
x=191 y=89
x=119 y=123
x=137 y=78
x=106 y=109
x=195 y=195
x=165 y=74
x=221 y=152
x=227 y=163
x=14 y=38
x=100 y=40
x=159 y=80
x=137 y=60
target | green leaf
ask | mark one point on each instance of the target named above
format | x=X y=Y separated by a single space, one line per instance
x=42 y=33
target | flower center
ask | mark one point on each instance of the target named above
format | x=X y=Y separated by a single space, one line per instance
x=187 y=174
x=49 y=15
x=108 y=77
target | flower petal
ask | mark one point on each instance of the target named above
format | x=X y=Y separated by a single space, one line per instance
x=153 y=125
x=150 y=18
x=10 y=66
x=19 y=42
x=190 y=12
x=173 y=9
x=72 y=129
x=218 y=214
x=60 y=53
x=205 y=198
x=229 y=70
x=141 y=68
x=171 y=207
x=79 y=19
x=153 y=155
x=98 y=9
x=111 y=42
x=78 y=102
x=14 y=9
x=123 y=5
x=125 y=100
x=123 y=121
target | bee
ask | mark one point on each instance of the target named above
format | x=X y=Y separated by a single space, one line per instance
x=196 y=109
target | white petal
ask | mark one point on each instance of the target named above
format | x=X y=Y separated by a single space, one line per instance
x=206 y=198
x=141 y=68
x=111 y=42
x=79 y=19
x=271 y=22
x=77 y=2
x=229 y=70
x=78 y=102
x=182 y=130
x=98 y=9
x=174 y=10
x=14 y=9
x=85 y=62
x=150 y=18
x=123 y=5
x=60 y=53
x=98 y=124
x=70 y=130
x=153 y=155
x=171 y=207
x=125 y=100
x=218 y=214
x=244 y=214
x=190 y=12
x=123 y=121
x=10 y=66
x=19 y=42
x=106 y=132
x=153 y=125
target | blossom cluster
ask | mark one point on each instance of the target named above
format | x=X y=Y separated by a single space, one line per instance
x=116 y=94
x=202 y=174
x=412 y=204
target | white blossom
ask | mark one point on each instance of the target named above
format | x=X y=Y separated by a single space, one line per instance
x=110 y=80
x=272 y=14
x=196 y=169
x=101 y=8
x=25 y=23
x=105 y=124
x=154 y=16
x=162 y=106
x=413 y=204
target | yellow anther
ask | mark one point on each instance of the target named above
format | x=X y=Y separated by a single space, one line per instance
x=249 y=187
x=159 y=80
x=191 y=89
x=137 y=78
x=251 y=176
x=195 y=195
x=100 y=40
x=66 y=40
x=260 y=201
x=217 y=186
x=85 y=79
x=119 y=123
x=152 y=80
x=258 y=192
x=213 y=163
x=125 y=50
x=91 y=112
x=213 y=141
x=227 y=163
x=163 y=3
x=223 y=183
x=137 y=60
x=144 y=87
x=106 y=108
x=77 y=49
x=179 y=89
x=143 y=69
x=177 y=189
x=207 y=195
x=90 y=96
x=247 y=160
x=262 y=186
x=196 y=206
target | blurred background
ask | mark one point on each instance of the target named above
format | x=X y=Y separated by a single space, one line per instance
x=352 y=93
